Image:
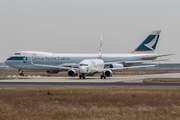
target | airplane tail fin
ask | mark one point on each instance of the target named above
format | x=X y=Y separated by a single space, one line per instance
x=100 y=49
x=149 y=44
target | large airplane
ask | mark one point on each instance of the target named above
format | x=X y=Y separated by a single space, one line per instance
x=86 y=64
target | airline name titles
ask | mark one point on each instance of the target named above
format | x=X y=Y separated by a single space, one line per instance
x=50 y=58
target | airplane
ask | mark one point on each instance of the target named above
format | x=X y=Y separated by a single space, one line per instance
x=89 y=67
x=54 y=62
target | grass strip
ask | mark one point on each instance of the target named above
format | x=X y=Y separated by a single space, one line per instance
x=89 y=103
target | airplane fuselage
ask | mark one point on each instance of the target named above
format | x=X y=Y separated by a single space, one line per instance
x=22 y=60
x=90 y=66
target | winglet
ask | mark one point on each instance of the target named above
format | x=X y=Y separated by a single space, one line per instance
x=100 y=49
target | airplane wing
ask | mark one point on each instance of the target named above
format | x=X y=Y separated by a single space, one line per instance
x=52 y=66
x=130 y=63
x=74 y=65
x=112 y=60
x=136 y=62
x=125 y=68
x=57 y=67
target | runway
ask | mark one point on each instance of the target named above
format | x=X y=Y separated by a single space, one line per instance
x=86 y=85
x=125 y=81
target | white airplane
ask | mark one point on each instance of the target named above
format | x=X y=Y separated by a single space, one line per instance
x=86 y=64
x=89 y=67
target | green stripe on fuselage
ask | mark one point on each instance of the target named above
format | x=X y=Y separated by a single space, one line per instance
x=17 y=58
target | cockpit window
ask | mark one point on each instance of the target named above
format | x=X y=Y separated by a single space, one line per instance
x=17 y=54
x=83 y=64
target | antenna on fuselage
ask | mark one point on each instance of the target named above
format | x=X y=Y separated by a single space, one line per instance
x=100 y=48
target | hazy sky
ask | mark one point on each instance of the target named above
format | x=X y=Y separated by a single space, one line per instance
x=75 y=26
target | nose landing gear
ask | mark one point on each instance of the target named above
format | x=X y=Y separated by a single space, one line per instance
x=102 y=76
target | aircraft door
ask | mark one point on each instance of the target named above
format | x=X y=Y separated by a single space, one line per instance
x=24 y=64
x=25 y=60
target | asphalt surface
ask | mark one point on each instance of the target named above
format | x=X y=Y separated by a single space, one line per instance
x=124 y=81
x=86 y=85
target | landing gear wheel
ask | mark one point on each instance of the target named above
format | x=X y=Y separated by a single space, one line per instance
x=80 y=76
x=83 y=77
x=101 y=76
x=21 y=74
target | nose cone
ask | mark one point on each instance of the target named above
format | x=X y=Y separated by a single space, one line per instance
x=83 y=70
x=6 y=62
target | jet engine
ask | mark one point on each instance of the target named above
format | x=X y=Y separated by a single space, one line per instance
x=108 y=73
x=117 y=66
x=52 y=71
x=72 y=73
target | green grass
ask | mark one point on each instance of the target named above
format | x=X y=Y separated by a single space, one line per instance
x=89 y=104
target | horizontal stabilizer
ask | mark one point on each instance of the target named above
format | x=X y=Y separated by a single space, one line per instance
x=154 y=57
x=164 y=55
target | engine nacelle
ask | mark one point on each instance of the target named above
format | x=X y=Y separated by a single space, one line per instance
x=72 y=73
x=108 y=73
x=117 y=66
x=52 y=71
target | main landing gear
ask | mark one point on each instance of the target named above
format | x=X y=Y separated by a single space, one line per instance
x=82 y=76
x=21 y=73
x=102 y=76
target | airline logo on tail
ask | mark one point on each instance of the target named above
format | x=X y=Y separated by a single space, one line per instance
x=149 y=44
x=100 y=48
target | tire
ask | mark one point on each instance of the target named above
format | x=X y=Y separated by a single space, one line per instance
x=104 y=77
x=21 y=74
x=79 y=76
x=83 y=77
x=101 y=76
